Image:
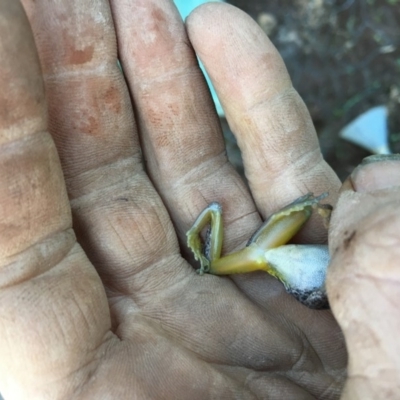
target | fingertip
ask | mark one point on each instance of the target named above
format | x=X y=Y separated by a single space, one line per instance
x=207 y=11
x=226 y=36
x=374 y=184
x=377 y=172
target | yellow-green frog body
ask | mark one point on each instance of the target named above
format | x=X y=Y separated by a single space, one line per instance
x=301 y=268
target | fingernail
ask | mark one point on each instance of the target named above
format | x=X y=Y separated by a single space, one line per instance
x=381 y=171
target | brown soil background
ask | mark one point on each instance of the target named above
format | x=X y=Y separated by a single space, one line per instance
x=343 y=58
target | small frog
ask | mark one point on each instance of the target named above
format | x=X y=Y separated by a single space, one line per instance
x=301 y=268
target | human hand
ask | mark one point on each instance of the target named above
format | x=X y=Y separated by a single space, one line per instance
x=122 y=314
x=363 y=278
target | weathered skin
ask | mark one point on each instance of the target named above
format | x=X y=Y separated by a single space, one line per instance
x=111 y=309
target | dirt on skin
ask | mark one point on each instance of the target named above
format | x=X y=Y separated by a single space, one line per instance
x=343 y=58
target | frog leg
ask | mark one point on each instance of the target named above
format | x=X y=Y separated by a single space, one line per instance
x=211 y=215
x=210 y=256
x=276 y=231
x=281 y=226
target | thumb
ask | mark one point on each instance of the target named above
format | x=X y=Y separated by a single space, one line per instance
x=364 y=278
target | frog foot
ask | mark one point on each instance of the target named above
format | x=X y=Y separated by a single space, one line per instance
x=204 y=267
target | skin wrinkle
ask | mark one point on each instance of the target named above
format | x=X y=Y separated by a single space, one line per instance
x=192 y=177
x=298 y=166
x=188 y=346
x=118 y=236
x=14 y=265
x=301 y=359
x=167 y=76
x=251 y=378
x=244 y=217
x=310 y=346
x=158 y=131
x=274 y=163
x=147 y=270
x=333 y=382
x=185 y=349
x=10 y=135
x=88 y=187
x=113 y=195
x=181 y=271
x=267 y=100
x=179 y=55
x=308 y=394
x=78 y=309
x=223 y=339
x=99 y=356
x=36 y=180
x=331 y=388
x=143 y=236
x=57 y=316
x=292 y=122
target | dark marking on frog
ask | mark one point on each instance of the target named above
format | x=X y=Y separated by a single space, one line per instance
x=315 y=299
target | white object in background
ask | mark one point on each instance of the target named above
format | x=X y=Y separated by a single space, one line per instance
x=185 y=7
x=369 y=130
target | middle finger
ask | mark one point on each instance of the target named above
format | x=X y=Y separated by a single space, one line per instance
x=180 y=130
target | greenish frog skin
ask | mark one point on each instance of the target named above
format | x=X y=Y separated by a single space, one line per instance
x=301 y=268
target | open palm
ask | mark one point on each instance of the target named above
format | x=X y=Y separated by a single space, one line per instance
x=100 y=303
